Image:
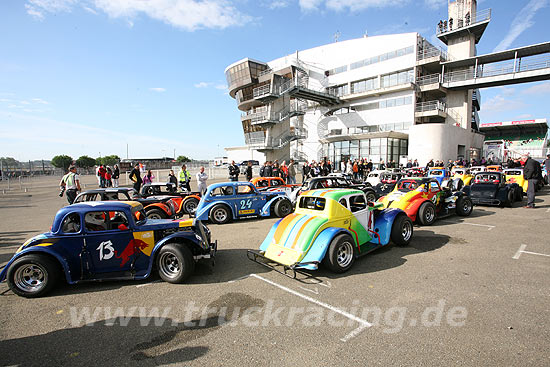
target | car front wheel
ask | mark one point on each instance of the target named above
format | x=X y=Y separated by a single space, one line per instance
x=32 y=275
x=283 y=208
x=190 y=205
x=175 y=263
x=426 y=213
x=464 y=206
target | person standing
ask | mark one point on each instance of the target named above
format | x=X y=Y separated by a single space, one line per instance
x=102 y=172
x=185 y=178
x=275 y=171
x=116 y=175
x=532 y=173
x=547 y=166
x=248 y=171
x=108 y=177
x=201 y=180
x=148 y=178
x=291 y=172
x=233 y=172
x=71 y=183
x=135 y=177
x=173 y=179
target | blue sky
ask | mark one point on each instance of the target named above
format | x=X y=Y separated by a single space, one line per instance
x=91 y=77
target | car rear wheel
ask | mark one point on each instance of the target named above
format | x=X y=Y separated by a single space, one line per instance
x=340 y=255
x=464 y=206
x=426 y=213
x=175 y=263
x=402 y=230
x=32 y=275
x=283 y=208
x=510 y=198
x=519 y=194
x=220 y=214
x=156 y=214
x=190 y=205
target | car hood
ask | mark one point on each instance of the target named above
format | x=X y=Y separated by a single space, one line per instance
x=291 y=238
x=485 y=191
x=42 y=239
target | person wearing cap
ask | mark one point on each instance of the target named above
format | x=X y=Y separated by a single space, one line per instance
x=532 y=173
x=71 y=183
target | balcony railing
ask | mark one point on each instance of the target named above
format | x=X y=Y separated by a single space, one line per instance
x=430 y=106
x=277 y=142
x=468 y=20
x=430 y=52
x=265 y=72
x=428 y=79
x=261 y=90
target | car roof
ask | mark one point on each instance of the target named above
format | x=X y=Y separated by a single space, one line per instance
x=334 y=194
x=104 y=205
x=230 y=183
x=422 y=180
x=112 y=189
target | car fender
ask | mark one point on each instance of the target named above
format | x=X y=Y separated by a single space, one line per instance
x=267 y=241
x=165 y=208
x=266 y=209
x=412 y=209
x=383 y=222
x=39 y=250
x=502 y=193
x=205 y=211
x=467 y=190
x=318 y=249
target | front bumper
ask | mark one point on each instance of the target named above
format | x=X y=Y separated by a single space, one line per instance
x=289 y=270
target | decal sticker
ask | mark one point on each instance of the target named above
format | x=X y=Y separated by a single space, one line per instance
x=133 y=247
x=250 y=211
x=245 y=204
x=107 y=245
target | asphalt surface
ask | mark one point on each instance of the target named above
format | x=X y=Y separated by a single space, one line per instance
x=466 y=291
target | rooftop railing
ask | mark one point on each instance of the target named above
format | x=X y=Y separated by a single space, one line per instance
x=430 y=52
x=453 y=24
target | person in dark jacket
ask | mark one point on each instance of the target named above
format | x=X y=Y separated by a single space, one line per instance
x=248 y=171
x=135 y=177
x=532 y=173
x=233 y=172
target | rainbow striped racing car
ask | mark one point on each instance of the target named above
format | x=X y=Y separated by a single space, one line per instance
x=332 y=226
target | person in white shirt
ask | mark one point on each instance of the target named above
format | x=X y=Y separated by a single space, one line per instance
x=70 y=183
x=201 y=180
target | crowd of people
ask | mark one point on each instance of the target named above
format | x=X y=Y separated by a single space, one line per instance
x=107 y=176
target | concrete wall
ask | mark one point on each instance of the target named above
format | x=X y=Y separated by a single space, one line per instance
x=239 y=154
x=440 y=141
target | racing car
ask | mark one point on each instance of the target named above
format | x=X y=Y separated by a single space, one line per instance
x=462 y=173
x=233 y=200
x=373 y=178
x=189 y=201
x=327 y=182
x=273 y=184
x=156 y=207
x=490 y=188
x=424 y=200
x=96 y=241
x=388 y=180
x=332 y=227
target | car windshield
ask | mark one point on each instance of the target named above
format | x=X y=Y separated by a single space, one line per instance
x=407 y=185
x=487 y=177
x=436 y=173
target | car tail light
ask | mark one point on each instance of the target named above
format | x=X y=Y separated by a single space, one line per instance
x=476 y=181
x=496 y=181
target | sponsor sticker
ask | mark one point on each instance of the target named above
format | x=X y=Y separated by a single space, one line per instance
x=249 y=211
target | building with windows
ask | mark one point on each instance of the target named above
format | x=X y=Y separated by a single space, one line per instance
x=388 y=97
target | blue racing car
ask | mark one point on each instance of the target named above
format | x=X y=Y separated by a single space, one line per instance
x=232 y=200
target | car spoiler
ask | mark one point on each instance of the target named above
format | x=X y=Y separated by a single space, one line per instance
x=204 y=238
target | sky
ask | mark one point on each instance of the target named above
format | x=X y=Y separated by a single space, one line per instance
x=145 y=78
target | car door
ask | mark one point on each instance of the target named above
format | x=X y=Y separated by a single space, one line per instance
x=109 y=243
x=248 y=200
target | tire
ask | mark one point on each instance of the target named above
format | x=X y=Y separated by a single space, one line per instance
x=220 y=214
x=464 y=206
x=519 y=194
x=426 y=213
x=401 y=230
x=190 y=205
x=371 y=196
x=282 y=208
x=156 y=214
x=33 y=275
x=510 y=198
x=175 y=263
x=340 y=255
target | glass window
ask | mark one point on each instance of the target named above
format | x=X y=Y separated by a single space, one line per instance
x=343 y=202
x=399 y=101
x=409 y=50
x=434 y=187
x=393 y=79
x=105 y=221
x=357 y=203
x=374 y=60
x=71 y=223
x=408 y=100
x=308 y=202
x=222 y=191
x=403 y=77
x=385 y=81
x=382 y=104
x=390 y=103
x=383 y=57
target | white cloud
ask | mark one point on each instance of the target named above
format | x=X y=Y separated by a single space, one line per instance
x=39 y=100
x=521 y=22
x=435 y=4
x=158 y=90
x=524 y=116
x=202 y=85
x=351 y=5
x=186 y=14
x=221 y=86
x=25 y=102
x=278 y=4
x=500 y=103
x=189 y=15
x=37 y=8
x=543 y=88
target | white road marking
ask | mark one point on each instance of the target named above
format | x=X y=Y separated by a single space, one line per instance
x=489 y=227
x=363 y=324
x=328 y=285
x=522 y=251
x=316 y=291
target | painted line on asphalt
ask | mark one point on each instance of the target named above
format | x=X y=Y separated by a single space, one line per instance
x=489 y=227
x=521 y=250
x=363 y=324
